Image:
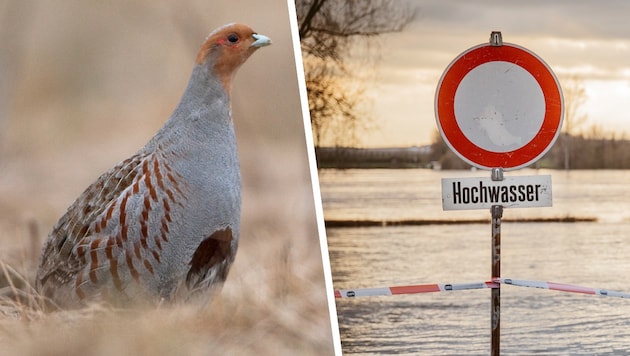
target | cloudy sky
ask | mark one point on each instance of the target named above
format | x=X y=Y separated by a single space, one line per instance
x=588 y=39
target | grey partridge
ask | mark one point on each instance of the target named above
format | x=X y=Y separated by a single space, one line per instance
x=162 y=225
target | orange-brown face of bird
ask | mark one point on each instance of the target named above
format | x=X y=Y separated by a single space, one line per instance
x=228 y=47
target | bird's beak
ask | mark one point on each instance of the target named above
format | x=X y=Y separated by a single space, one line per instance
x=261 y=40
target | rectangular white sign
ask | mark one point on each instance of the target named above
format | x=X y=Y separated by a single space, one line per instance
x=482 y=193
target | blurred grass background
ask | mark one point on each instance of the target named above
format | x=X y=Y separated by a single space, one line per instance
x=83 y=85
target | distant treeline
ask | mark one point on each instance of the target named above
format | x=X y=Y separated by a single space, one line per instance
x=572 y=152
x=350 y=157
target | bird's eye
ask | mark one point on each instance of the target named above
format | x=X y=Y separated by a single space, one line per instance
x=232 y=38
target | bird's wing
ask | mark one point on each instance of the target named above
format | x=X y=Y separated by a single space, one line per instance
x=59 y=259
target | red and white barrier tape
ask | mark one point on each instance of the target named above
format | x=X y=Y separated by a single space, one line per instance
x=430 y=288
x=413 y=289
x=562 y=287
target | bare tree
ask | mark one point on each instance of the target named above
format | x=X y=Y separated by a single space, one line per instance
x=329 y=31
x=332 y=103
x=574 y=97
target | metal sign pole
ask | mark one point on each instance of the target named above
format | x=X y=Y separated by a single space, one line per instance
x=495 y=304
x=496 y=40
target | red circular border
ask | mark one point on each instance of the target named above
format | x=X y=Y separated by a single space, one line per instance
x=453 y=134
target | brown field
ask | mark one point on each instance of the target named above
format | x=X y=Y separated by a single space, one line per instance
x=83 y=85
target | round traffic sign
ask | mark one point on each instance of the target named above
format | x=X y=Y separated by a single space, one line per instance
x=499 y=106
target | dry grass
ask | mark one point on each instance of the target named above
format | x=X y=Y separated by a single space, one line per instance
x=94 y=82
x=273 y=302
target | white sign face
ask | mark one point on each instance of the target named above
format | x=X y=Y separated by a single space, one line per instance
x=483 y=192
x=499 y=106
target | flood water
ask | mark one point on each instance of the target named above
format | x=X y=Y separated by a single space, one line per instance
x=533 y=321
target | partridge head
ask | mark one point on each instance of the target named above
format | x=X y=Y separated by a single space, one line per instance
x=162 y=225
